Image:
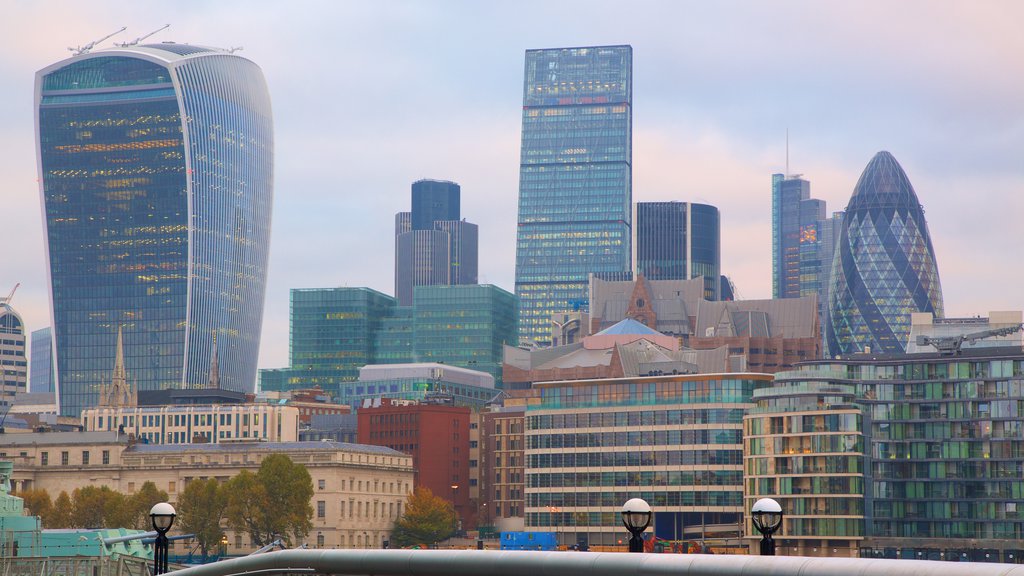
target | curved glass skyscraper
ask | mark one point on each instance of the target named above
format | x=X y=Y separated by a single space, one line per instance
x=884 y=265
x=156 y=170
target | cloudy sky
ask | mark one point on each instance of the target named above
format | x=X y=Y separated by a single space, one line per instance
x=370 y=96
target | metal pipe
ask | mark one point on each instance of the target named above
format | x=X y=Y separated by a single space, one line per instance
x=119 y=539
x=516 y=563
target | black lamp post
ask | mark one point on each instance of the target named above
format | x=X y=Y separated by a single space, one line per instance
x=767 y=516
x=636 y=516
x=162 y=515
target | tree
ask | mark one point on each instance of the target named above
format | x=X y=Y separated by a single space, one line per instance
x=427 y=519
x=201 y=507
x=101 y=507
x=38 y=503
x=62 y=508
x=275 y=500
x=139 y=505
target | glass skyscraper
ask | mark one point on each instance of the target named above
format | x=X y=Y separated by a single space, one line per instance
x=884 y=265
x=40 y=375
x=156 y=172
x=575 y=179
x=679 y=241
x=433 y=246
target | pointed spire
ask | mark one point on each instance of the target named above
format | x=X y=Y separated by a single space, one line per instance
x=214 y=367
x=120 y=392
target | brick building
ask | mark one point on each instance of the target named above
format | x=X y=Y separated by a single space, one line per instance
x=437 y=438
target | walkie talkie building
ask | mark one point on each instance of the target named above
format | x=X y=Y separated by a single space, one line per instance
x=156 y=171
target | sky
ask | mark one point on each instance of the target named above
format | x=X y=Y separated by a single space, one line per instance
x=370 y=96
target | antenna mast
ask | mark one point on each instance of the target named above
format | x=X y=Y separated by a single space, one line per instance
x=85 y=49
x=141 y=38
x=787 y=152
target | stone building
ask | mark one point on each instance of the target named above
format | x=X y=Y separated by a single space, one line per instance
x=358 y=490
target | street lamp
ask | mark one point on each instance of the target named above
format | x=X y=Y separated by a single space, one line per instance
x=767 y=515
x=162 y=516
x=636 y=516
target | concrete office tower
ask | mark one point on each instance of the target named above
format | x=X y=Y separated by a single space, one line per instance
x=884 y=267
x=156 y=173
x=40 y=377
x=679 y=241
x=433 y=247
x=13 y=363
x=575 y=180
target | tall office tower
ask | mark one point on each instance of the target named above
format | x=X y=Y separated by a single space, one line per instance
x=40 y=374
x=433 y=247
x=156 y=172
x=884 y=267
x=795 y=216
x=679 y=241
x=575 y=180
x=433 y=201
x=13 y=362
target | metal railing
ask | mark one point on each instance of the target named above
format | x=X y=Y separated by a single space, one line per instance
x=507 y=563
x=75 y=566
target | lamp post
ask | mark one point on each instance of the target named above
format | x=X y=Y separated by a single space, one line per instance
x=636 y=516
x=162 y=516
x=767 y=516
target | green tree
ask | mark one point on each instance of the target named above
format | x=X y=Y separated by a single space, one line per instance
x=201 y=507
x=98 y=507
x=38 y=503
x=427 y=519
x=275 y=500
x=62 y=509
x=139 y=505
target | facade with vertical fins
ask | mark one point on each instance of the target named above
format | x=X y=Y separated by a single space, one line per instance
x=884 y=265
x=156 y=171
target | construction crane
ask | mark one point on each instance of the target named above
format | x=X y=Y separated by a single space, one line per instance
x=141 y=38
x=85 y=49
x=951 y=345
x=11 y=295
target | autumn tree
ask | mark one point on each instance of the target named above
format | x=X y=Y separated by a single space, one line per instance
x=38 y=503
x=62 y=511
x=275 y=500
x=427 y=519
x=201 y=507
x=139 y=505
x=98 y=507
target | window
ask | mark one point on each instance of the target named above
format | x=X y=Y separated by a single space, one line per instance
x=85 y=457
x=106 y=457
x=171 y=487
x=321 y=509
x=45 y=458
x=64 y=458
x=320 y=539
x=321 y=484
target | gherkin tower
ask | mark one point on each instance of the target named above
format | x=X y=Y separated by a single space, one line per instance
x=884 y=266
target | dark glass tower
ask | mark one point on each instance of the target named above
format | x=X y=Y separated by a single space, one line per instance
x=884 y=267
x=156 y=171
x=795 y=216
x=575 y=179
x=433 y=247
x=433 y=201
x=679 y=241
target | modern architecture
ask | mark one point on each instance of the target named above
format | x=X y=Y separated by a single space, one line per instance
x=156 y=174
x=40 y=374
x=884 y=267
x=575 y=180
x=675 y=441
x=13 y=361
x=433 y=246
x=679 y=241
x=337 y=331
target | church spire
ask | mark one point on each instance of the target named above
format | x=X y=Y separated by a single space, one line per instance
x=120 y=392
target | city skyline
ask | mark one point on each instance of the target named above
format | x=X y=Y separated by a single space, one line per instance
x=710 y=118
